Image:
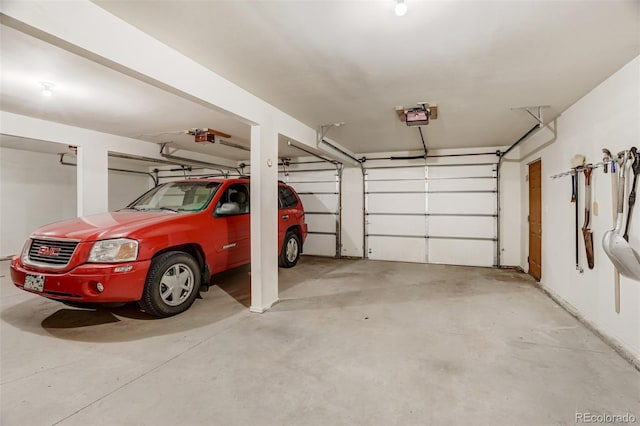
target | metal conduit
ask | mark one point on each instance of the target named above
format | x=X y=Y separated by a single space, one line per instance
x=341 y=151
x=147 y=159
x=313 y=154
x=432 y=165
x=430 y=156
x=198 y=162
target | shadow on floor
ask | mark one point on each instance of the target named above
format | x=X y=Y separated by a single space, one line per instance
x=230 y=295
x=237 y=282
x=324 y=283
x=116 y=324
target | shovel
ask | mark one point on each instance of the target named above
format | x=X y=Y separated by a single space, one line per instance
x=574 y=199
x=608 y=159
x=586 y=228
x=621 y=254
x=577 y=162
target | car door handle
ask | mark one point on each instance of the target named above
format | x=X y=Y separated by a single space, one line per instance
x=286 y=216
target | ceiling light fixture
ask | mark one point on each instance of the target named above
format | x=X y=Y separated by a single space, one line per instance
x=46 y=88
x=401 y=8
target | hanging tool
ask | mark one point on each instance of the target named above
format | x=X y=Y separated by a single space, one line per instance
x=574 y=199
x=576 y=163
x=595 y=208
x=635 y=167
x=608 y=158
x=621 y=254
x=586 y=228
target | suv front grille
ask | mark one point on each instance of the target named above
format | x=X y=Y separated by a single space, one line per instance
x=51 y=252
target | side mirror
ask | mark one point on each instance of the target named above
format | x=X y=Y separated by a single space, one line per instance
x=228 y=209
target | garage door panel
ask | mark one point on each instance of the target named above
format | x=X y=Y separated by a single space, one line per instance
x=462 y=185
x=466 y=171
x=320 y=245
x=395 y=173
x=468 y=203
x=318 y=190
x=397 y=249
x=396 y=185
x=462 y=226
x=461 y=252
x=296 y=176
x=315 y=186
x=396 y=224
x=453 y=222
x=320 y=202
x=321 y=222
x=396 y=203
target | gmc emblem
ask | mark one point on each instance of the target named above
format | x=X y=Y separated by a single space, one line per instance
x=49 y=251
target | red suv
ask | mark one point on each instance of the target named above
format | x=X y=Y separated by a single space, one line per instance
x=158 y=251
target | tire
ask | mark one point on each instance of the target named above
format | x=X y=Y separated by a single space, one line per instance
x=164 y=295
x=290 y=252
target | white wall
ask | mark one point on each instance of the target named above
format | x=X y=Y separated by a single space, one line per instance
x=607 y=117
x=36 y=190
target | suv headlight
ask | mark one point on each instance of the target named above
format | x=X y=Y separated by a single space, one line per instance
x=110 y=251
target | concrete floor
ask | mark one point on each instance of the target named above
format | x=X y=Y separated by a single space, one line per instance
x=352 y=342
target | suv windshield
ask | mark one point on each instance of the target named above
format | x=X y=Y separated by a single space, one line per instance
x=177 y=196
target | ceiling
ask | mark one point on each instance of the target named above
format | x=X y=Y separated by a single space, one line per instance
x=92 y=96
x=340 y=61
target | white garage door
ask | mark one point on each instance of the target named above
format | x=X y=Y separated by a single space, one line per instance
x=319 y=191
x=443 y=213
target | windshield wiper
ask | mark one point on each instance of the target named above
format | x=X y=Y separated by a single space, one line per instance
x=168 y=208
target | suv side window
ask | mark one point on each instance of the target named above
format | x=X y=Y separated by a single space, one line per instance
x=286 y=198
x=235 y=200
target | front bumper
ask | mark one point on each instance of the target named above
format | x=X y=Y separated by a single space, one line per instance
x=80 y=283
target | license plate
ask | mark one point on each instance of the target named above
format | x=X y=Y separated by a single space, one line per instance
x=34 y=282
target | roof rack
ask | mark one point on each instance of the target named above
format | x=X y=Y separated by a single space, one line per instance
x=217 y=175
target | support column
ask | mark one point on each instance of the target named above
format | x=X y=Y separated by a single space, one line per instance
x=264 y=217
x=93 y=179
